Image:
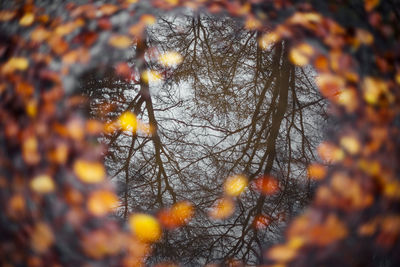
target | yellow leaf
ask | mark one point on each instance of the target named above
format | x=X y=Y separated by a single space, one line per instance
x=151 y=76
x=120 y=41
x=148 y=19
x=128 y=121
x=102 y=202
x=108 y=9
x=348 y=98
x=145 y=227
x=89 y=172
x=268 y=39
x=31 y=108
x=282 y=253
x=392 y=189
x=397 y=77
x=350 y=144
x=305 y=18
x=30 y=150
x=300 y=54
x=364 y=37
x=296 y=242
x=235 y=185
x=170 y=59
x=42 y=184
x=27 y=19
x=15 y=63
x=375 y=88
x=252 y=23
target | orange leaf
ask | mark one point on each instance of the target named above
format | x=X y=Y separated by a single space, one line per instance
x=267 y=185
x=176 y=216
x=369 y=5
x=145 y=227
x=281 y=253
x=331 y=231
x=261 y=222
x=102 y=202
x=120 y=41
x=316 y=171
x=42 y=237
x=330 y=85
x=222 y=209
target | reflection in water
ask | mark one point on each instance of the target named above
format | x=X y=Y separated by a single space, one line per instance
x=229 y=108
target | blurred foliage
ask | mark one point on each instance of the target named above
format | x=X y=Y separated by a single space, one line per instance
x=56 y=203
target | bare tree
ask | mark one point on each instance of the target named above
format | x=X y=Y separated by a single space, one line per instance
x=229 y=108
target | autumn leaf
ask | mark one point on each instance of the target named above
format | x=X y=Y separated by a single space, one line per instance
x=120 y=41
x=281 y=253
x=128 y=121
x=330 y=152
x=27 y=19
x=316 y=171
x=222 y=209
x=145 y=227
x=261 y=222
x=42 y=184
x=149 y=76
x=235 y=185
x=266 y=184
x=178 y=215
x=15 y=63
x=42 y=237
x=374 y=89
x=170 y=59
x=268 y=39
x=30 y=150
x=89 y=171
x=300 y=54
x=102 y=202
x=6 y=15
x=369 y=5
x=351 y=144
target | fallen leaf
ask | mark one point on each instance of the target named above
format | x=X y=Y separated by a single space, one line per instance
x=89 y=172
x=145 y=227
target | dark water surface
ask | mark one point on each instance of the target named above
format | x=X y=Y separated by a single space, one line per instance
x=228 y=108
